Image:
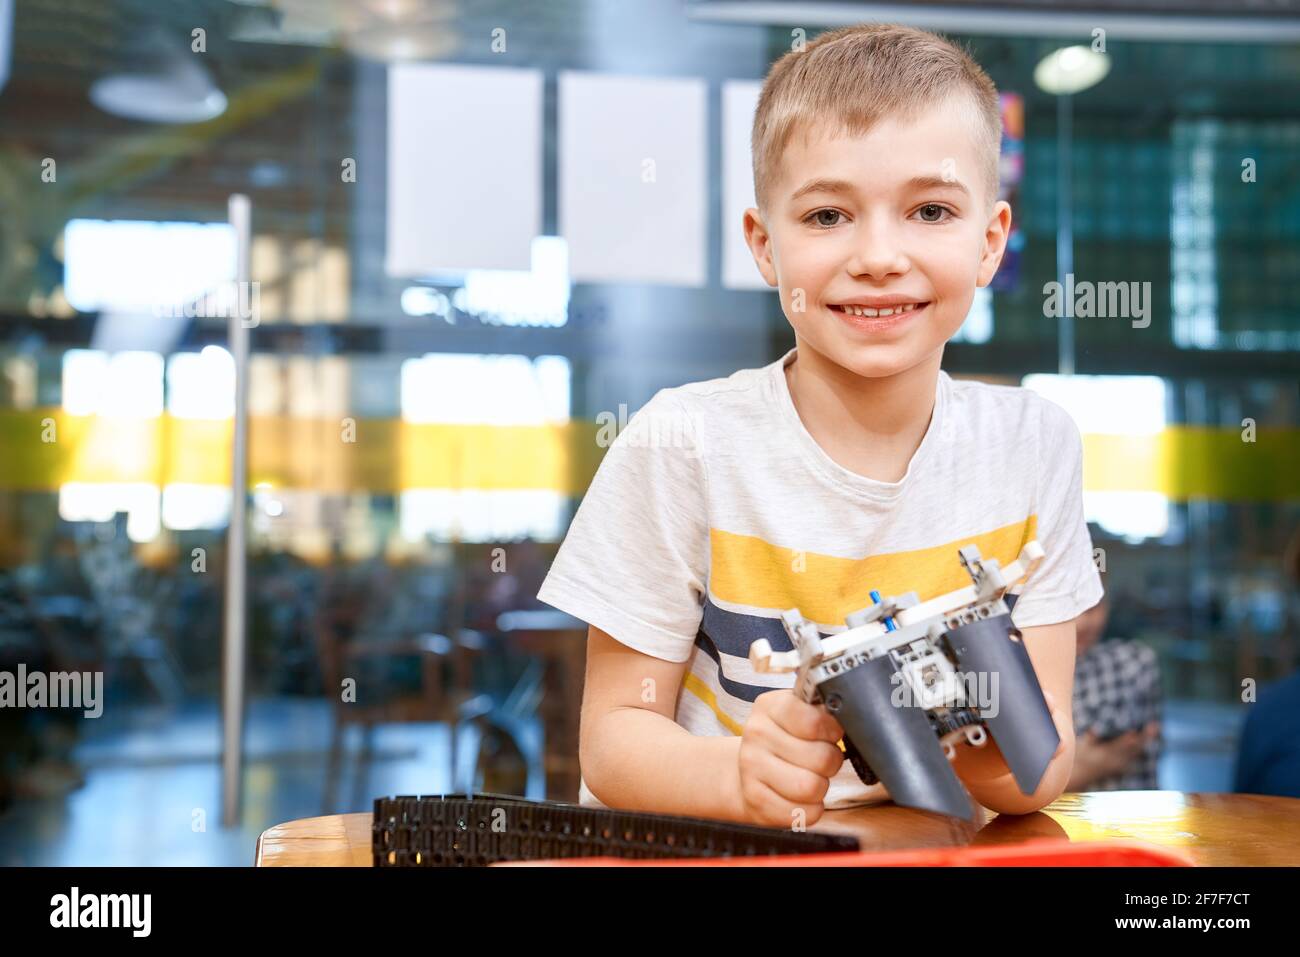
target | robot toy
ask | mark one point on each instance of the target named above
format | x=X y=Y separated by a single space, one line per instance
x=906 y=678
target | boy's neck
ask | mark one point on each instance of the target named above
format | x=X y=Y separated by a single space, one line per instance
x=871 y=426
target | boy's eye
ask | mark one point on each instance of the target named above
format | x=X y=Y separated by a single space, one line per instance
x=824 y=217
x=932 y=213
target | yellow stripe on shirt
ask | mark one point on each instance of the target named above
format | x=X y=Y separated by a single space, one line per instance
x=746 y=570
x=697 y=687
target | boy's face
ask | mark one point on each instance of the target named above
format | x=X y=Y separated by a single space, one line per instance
x=895 y=219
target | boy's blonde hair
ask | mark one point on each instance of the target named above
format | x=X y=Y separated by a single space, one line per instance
x=852 y=77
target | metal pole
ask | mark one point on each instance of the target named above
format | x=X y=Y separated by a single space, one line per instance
x=1064 y=235
x=233 y=644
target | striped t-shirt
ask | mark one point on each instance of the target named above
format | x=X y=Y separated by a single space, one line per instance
x=714 y=510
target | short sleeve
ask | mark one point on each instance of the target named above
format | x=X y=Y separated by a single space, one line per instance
x=634 y=560
x=1067 y=583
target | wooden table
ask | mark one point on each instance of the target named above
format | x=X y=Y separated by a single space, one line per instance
x=1211 y=829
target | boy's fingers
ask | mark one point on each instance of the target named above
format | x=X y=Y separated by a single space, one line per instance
x=771 y=809
x=808 y=721
x=818 y=756
x=794 y=784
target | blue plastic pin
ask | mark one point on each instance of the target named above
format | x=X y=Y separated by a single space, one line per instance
x=889 y=622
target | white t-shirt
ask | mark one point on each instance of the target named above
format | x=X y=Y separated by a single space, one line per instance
x=714 y=510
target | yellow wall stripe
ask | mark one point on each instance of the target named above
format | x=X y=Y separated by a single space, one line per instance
x=747 y=570
x=1185 y=462
x=390 y=455
x=327 y=455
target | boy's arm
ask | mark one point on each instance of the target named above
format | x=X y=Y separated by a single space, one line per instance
x=984 y=771
x=633 y=753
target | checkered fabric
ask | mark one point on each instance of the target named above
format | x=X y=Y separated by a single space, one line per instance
x=1117 y=689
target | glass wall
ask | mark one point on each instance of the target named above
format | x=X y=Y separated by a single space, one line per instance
x=419 y=439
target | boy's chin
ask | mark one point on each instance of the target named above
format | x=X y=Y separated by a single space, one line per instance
x=877 y=360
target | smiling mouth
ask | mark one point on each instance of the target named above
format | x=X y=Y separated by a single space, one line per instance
x=867 y=312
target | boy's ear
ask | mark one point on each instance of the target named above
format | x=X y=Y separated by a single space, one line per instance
x=759 y=242
x=995 y=242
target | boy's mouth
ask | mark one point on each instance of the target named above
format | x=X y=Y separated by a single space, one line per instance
x=882 y=311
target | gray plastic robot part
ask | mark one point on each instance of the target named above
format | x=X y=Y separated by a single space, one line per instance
x=856 y=674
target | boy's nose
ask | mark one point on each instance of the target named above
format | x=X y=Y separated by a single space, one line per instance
x=877 y=252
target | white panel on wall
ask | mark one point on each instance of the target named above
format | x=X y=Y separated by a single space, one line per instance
x=739 y=100
x=464 y=168
x=632 y=165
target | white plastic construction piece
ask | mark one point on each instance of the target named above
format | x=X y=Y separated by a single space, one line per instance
x=949 y=751
x=767 y=661
x=839 y=643
x=946 y=687
x=1031 y=556
x=975 y=736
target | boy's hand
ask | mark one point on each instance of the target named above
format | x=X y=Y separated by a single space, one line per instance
x=788 y=755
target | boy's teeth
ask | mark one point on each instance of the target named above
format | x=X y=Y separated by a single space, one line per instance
x=870 y=313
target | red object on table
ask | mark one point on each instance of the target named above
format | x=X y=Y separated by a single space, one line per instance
x=1047 y=852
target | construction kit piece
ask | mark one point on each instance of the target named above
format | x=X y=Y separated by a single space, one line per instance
x=907 y=677
x=470 y=830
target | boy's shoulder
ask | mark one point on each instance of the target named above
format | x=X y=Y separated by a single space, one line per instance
x=976 y=403
x=692 y=415
x=995 y=394
x=1016 y=428
x=743 y=391
x=741 y=383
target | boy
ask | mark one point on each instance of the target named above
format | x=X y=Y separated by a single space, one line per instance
x=852 y=463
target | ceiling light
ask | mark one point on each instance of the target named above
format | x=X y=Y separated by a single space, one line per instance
x=175 y=90
x=1071 y=70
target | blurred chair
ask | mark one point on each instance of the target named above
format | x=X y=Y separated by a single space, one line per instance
x=556 y=646
x=490 y=682
x=443 y=692
x=525 y=668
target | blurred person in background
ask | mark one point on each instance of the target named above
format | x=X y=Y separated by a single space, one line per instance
x=1268 y=758
x=1117 y=706
x=49 y=622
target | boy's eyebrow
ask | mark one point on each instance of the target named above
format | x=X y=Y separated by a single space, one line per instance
x=935 y=182
x=914 y=184
x=822 y=186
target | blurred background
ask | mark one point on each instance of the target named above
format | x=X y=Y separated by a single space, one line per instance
x=474 y=234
